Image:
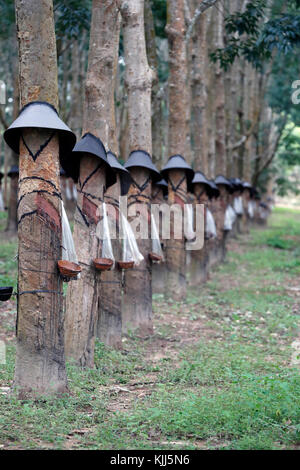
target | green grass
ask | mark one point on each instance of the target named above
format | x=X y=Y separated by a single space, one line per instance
x=232 y=388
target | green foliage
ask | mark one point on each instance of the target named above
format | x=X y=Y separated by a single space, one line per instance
x=7 y=18
x=280 y=33
x=249 y=37
x=252 y=412
x=248 y=21
x=159 y=9
x=71 y=17
x=8 y=264
x=287 y=161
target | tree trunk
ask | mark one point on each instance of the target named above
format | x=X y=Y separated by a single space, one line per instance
x=83 y=298
x=156 y=97
x=220 y=136
x=175 y=287
x=221 y=205
x=210 y=111
x=231 y=101
x=175 y=249
x=40 y=361
x=137 y=300
x=219 y=97
x=159 y=269
x=199 y=265
x=76 y=103
x=109 y=326
x=199 y=95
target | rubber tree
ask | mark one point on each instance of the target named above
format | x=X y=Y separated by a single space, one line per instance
x=137 y=300
x=156 y=95
x=40 y=360
x=199 y=264
x=175 y=287
x=199 y=92
x=220 y=131
x=109 y=321
x=84 y=295
x=159 y=270
x=219 y=97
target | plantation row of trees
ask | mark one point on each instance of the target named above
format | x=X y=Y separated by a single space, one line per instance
x=153 y=78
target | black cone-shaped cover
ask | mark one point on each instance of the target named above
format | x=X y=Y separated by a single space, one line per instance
x=237 y=183
x=125 y=177
x=215 y=192
x=200 y=178
x=220 y=179
x=40 y=114
x=163 y=185
x=177 y=162
x=142 y=159
x=14 y=170
x=246 y=185
x=115 y=164
x=5 y=293
x=89 y=143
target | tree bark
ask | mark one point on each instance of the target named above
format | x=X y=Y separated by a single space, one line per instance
x=109 y=325
x=156 y=98
x=199 y=95
x=199 y=265
x=175 y=249
x=175 y=286
x=137 y=300
x=159 y=269
x=40 y=361
x=221 y=205
x=219 y=98
x=231 y=102
x=210 y=111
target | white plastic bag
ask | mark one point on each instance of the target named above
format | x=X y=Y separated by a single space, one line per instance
x=250 y=209
x=68 y=247
x=107 y=251
x=68 y=191
x=156 y=245
x=189 y=222
x=230 y=217
x=210 y=227
x=238 y=205
x=2 y=209
x=74 y=192
x=130 y=248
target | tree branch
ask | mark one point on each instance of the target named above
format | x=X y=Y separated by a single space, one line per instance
x=247 y=134
x=272 y=152
x=204 y=5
